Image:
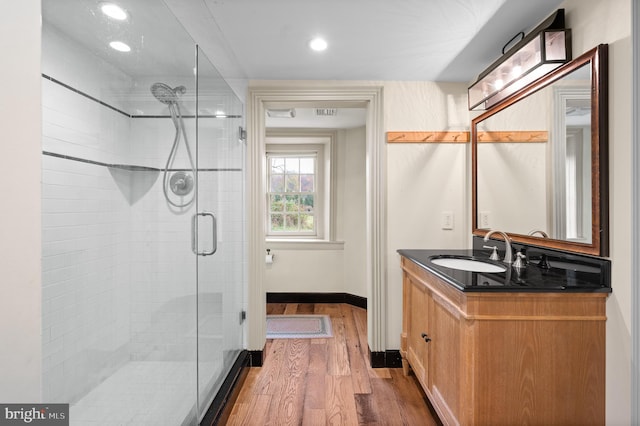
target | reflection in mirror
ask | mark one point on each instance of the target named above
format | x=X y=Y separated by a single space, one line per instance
x=571 y=158
x=535 y=176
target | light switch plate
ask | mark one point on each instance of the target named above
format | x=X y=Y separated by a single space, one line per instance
x=485 y=220
x=447 y=220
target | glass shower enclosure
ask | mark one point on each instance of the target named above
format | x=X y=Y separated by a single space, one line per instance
x=143 y=217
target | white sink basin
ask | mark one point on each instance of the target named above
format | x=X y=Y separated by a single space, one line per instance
x=470 y=265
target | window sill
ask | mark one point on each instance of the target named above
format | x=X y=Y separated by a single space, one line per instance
x=303 y=244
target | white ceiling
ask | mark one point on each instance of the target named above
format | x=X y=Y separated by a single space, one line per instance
x=432 y=40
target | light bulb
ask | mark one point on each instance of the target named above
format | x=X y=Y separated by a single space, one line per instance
x=113 y=11
x=516 y=71
x=318 y=44
x=120 y=46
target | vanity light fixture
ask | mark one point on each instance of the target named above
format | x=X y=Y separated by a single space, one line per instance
x=544 y=49
x=114 y=11
x=120 y=46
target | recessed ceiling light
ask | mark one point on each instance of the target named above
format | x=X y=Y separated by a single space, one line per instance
x=114 y=11
x=318 y=44
x=120 y=46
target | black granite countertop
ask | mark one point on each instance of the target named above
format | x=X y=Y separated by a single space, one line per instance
x=545 y=274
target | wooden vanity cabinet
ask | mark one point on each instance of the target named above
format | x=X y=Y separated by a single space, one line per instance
x=504 y=358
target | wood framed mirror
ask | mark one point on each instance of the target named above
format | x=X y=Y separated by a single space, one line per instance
x=540 y=161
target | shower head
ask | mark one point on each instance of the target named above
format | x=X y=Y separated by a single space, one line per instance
x=166 y=94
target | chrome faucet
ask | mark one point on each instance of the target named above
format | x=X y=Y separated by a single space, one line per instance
x=537 y=231
x=508 y=256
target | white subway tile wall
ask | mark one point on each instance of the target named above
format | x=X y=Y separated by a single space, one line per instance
x=86 y=293
x=118 y=271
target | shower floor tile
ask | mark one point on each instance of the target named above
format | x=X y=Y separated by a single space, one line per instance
x=140 y=393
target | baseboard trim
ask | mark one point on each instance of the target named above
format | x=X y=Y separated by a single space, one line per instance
x=221 y=406
x=256 y=358
x=351 y=299
x=386 y=359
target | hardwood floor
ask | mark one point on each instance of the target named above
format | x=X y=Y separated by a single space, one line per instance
x=328 y=381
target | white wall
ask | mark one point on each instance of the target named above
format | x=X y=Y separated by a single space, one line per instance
x=20 y=239
x=423 y=180
x=353 y=207
x=609 y=21
x=336 y=268
x=512 y=177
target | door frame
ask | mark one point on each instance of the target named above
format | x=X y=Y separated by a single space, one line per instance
x=635 y=214
x=370 y=97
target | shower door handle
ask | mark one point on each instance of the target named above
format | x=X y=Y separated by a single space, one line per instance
x=214 y=231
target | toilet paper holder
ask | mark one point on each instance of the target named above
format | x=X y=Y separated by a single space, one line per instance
x=269 y=257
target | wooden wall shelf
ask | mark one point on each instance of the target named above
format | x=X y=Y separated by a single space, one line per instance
x=427 y=137
x=540 y=136
x=518 y=137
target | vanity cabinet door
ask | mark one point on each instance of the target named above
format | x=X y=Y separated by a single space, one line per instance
x=445 y=367
x=417 y=330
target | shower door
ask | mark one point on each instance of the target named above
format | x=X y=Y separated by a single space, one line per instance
x=218 y=227
x=142 y=195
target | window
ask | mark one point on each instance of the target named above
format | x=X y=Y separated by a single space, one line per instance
x=292 y=196
x=298 y=188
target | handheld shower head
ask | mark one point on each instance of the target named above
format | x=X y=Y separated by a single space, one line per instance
x=180 y=183
x=166 y=94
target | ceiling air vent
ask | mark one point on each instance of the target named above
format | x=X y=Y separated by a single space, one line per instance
x=281 y=113
x=326 y=112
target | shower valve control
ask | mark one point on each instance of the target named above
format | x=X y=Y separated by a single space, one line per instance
x=181 y=183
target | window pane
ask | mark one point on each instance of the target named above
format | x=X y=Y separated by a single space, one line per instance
x=291 y=222
x=306 y=222
x=277 y=222
x=277 y=165
x=292 y=203
x=277 y=204
x=277 y=183
x=307 y=165
x=292 y=188
x=307 y=203
x=292 y=165
x=293 y=183
x=306 y=183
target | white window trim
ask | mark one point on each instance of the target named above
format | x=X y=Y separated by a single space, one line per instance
x=276 y=244
x=299 y=140
x=300 y=151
